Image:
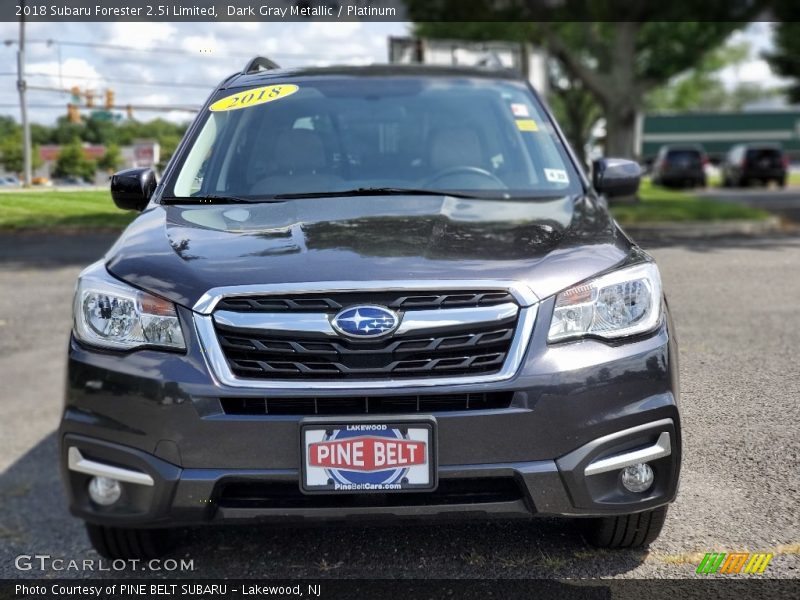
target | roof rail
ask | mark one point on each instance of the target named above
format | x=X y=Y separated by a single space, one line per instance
x=259 y=63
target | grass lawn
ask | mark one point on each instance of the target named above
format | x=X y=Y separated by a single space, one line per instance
x=53 y=209
x=661 y=204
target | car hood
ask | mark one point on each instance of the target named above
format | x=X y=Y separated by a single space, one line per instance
x=180 y=252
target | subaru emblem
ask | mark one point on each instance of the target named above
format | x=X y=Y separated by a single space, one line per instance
x=364 y=322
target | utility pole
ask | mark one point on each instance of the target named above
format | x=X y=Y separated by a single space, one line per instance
x=23 y=103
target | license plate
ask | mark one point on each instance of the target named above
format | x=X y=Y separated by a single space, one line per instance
x=367 y=456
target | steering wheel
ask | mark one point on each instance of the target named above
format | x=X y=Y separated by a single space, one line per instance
x=467 y=170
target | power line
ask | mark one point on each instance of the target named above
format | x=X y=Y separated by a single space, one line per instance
x=139 y=107
x=132 y=82
x=160 y=50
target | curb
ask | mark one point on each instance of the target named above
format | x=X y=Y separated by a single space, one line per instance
x=695 y=230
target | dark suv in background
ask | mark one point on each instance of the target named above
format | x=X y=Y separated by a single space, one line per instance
x=680 y=166
x=755 y=163
x=373 y=292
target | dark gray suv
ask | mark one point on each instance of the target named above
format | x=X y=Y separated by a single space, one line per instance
x=377 y=292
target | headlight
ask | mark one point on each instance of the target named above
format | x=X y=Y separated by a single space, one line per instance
x=622 y=303
x=111 y=314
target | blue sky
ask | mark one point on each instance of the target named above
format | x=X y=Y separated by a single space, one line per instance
x=211 y=52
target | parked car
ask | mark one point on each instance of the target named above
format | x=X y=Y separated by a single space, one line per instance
x=755 y=163
x=370 y=292
x=680 y=166
x=70 y=180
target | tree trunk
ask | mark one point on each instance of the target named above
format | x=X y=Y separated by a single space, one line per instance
x=622 y=97
x=620 y=130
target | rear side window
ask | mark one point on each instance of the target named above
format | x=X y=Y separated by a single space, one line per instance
x=757 y=155
x=687 y=157
x=336 y=134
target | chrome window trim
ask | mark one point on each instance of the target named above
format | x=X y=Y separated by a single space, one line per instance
x=410 y=321
x=205 y=305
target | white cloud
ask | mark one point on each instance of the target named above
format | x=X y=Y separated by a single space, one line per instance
x=334 y=31
x=140 y=35
x=201 y=44
x=753 y=71
x=191 y=74
x=71 y=72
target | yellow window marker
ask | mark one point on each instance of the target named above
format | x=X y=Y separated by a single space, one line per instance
x=254 y=97
x=527 y=125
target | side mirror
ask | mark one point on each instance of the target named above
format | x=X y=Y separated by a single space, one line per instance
x=613 y=177
x=131 y=189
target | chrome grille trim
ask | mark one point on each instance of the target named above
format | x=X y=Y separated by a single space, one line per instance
x=221 y=372
x=320 y=323
x=207 y=302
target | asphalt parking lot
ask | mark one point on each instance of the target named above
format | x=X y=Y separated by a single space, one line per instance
x=735 y=303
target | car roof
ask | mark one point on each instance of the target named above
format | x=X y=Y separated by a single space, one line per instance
x=384 y=70
x=763 y=146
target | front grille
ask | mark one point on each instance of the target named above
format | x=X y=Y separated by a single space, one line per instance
x=358 y=405
x=273 y=357
x=453 y=349
x=395 y=300
x=288 y=495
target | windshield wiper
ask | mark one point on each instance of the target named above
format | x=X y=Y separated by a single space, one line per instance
x=375 y=191
x=212 y=199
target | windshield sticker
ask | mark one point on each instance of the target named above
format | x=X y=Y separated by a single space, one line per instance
x=527 y=125
x=556 y=175
x=520 y=110
x=254 y=97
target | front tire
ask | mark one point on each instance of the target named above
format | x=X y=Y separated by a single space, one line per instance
x=116 y=542
x=626 y=531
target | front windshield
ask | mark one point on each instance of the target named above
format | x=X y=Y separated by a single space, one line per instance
x=317 y=135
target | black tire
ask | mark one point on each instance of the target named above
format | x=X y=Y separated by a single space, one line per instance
x=115 y=542
x=781 y=182
x=626 y=531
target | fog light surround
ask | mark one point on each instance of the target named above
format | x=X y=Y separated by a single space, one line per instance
x=637 y=478
x=104 y=491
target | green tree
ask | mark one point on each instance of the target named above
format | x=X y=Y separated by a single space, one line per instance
x=617 y=62
x=702 y=88
x=8 y=127
x=169 y=144
x=71 y=162
x=111 y=160
x=11 y=153
x=574 y=107
x=99 y=131
x=64 y=131
x=41 y=134
x=785 y=58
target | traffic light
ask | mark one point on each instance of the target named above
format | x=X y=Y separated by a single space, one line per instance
x=90 y=98
x=73 y=114
x=109 y=99
x=130 y=112
x=76 y=94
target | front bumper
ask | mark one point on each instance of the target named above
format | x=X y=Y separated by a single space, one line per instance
x=574 y=405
